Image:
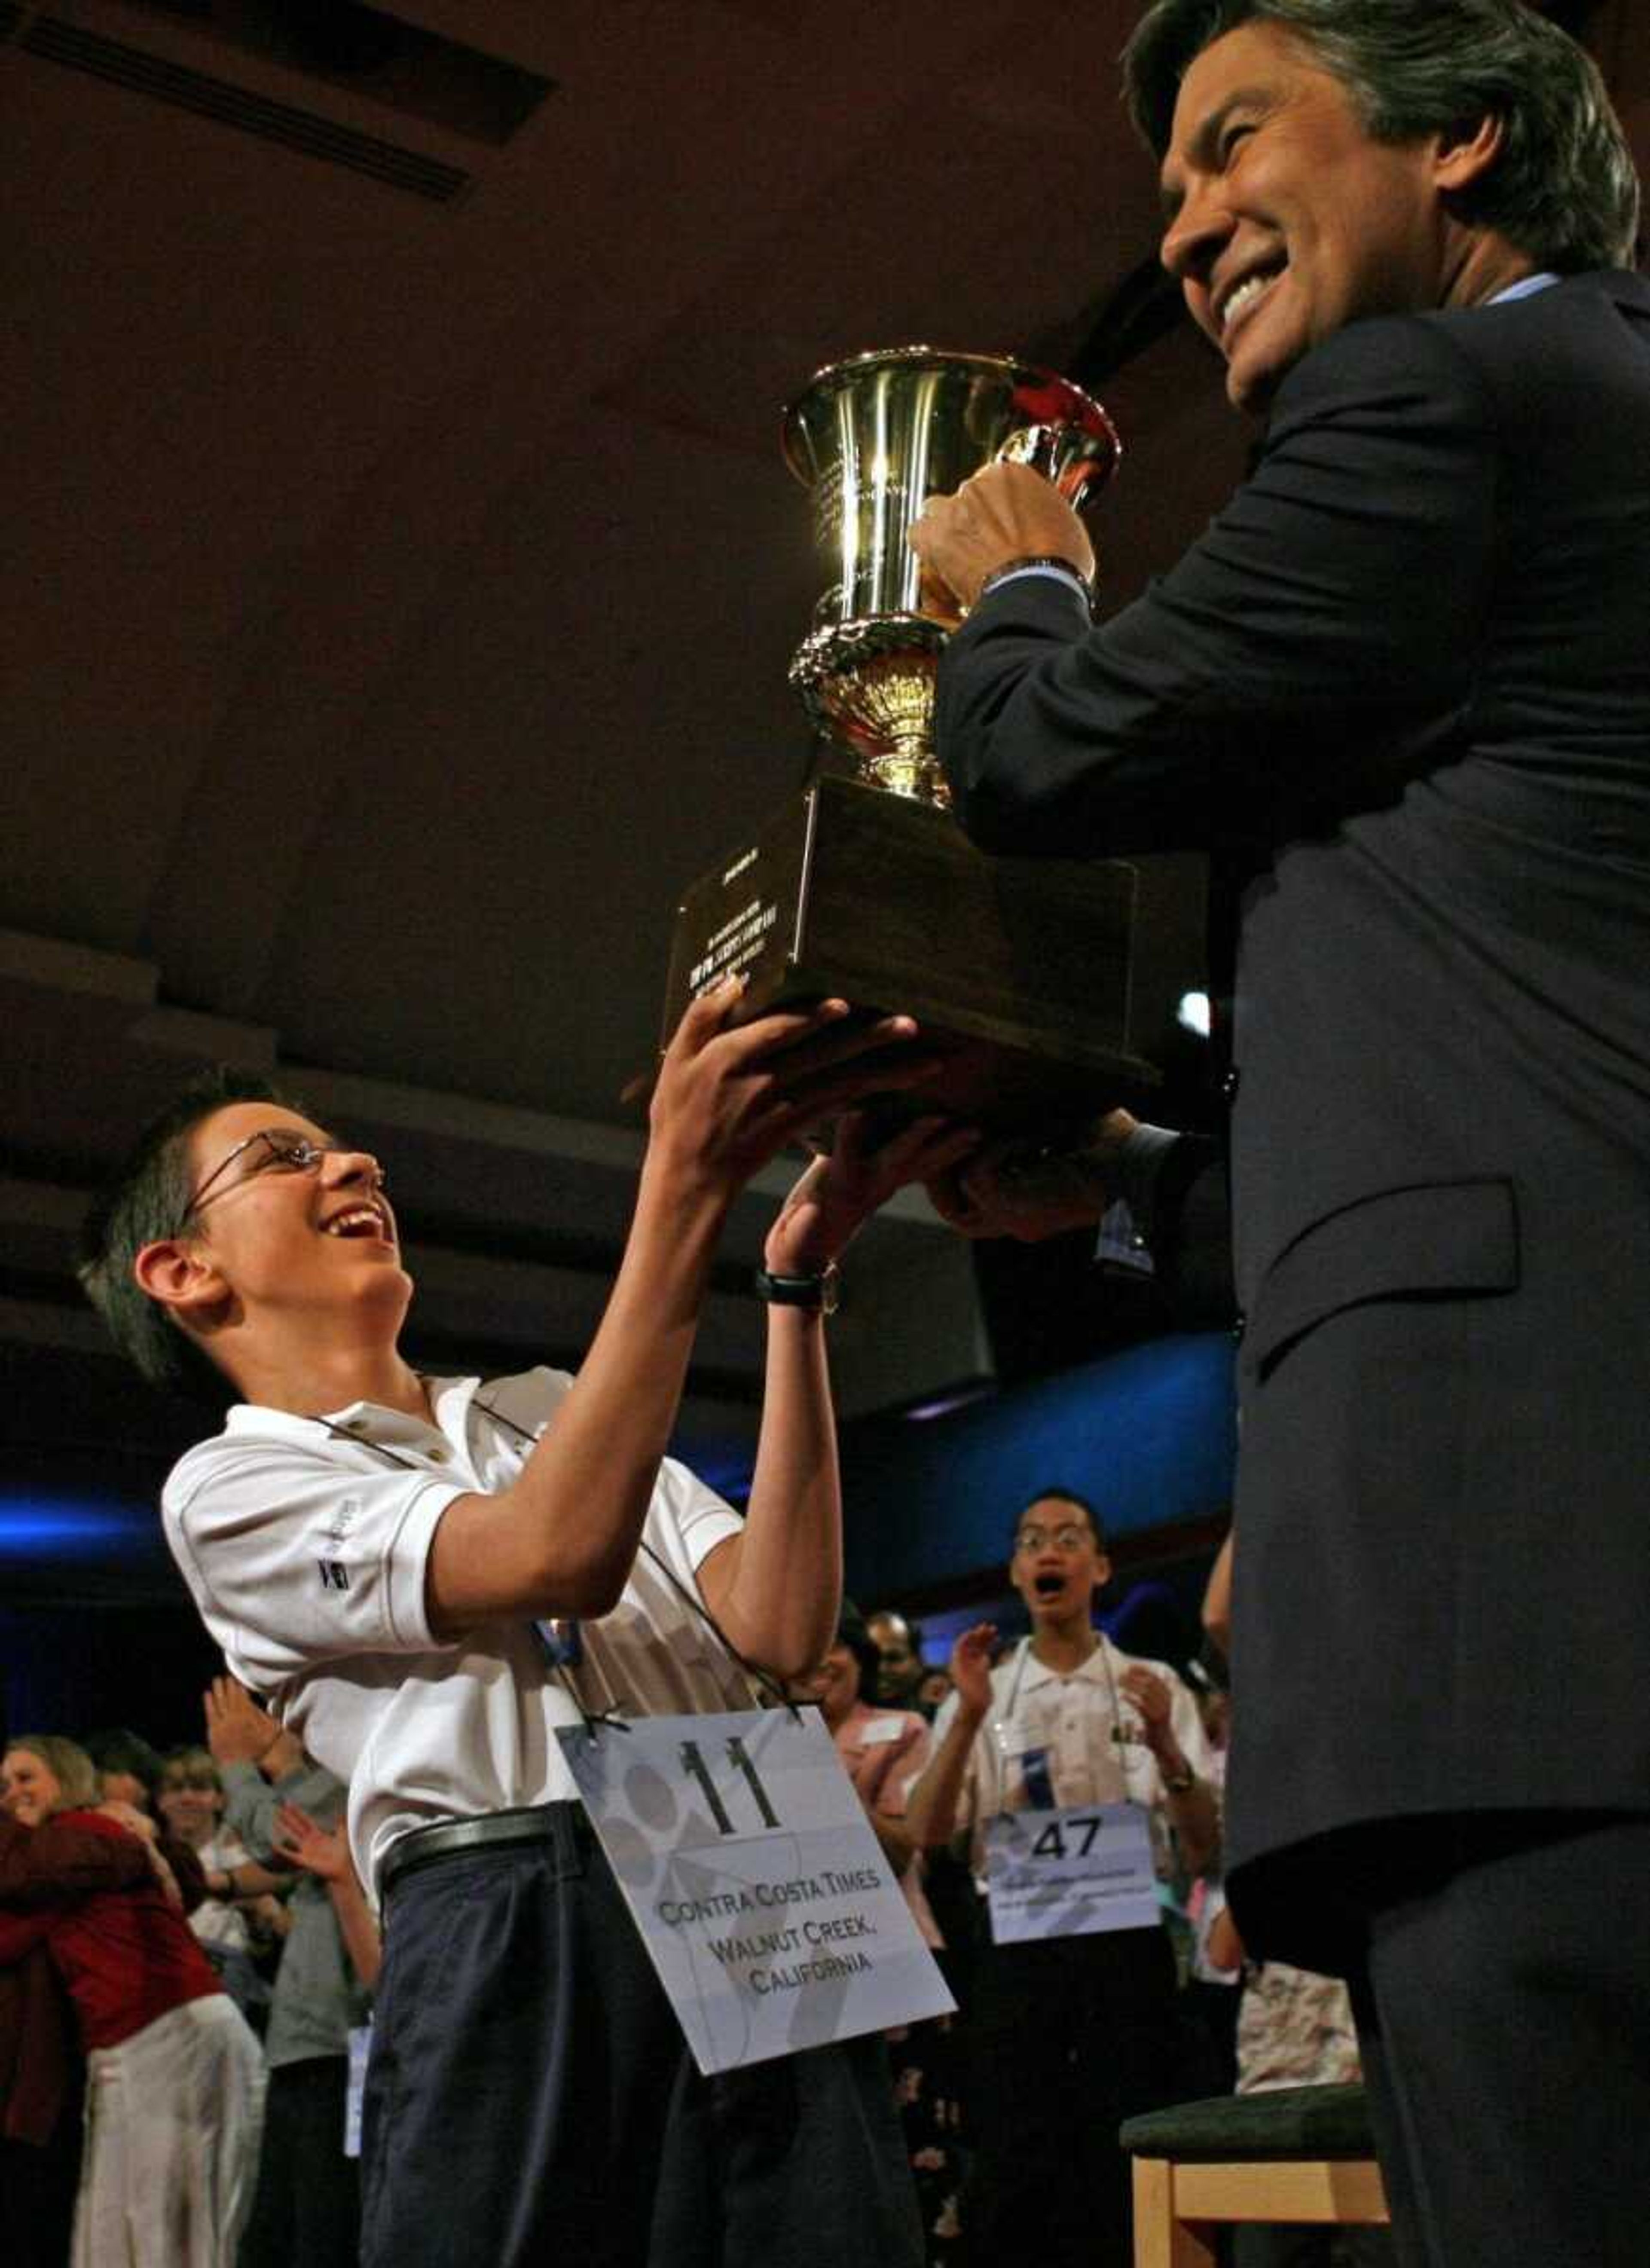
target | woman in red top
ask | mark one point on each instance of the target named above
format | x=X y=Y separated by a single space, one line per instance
x=174 y=2077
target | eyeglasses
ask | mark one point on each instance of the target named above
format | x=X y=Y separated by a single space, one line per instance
x=282 y=1153
x=1071 y=1538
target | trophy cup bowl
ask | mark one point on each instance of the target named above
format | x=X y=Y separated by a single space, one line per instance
x=872 y=438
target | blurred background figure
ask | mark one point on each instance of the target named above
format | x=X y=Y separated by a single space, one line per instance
x=307 y=2211
x=883 y=1751
x=42 y=2077
x=240 y=1921
x=174 y=2098
x=128 y=1769
x=1294 y=2028
x=900 y=1666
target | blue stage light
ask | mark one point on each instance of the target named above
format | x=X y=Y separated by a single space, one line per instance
x=39 y=1525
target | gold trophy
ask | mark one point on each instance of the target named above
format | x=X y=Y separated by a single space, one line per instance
x=873 y=439
x=864 y=886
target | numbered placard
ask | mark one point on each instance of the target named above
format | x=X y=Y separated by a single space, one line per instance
x=763 y=1896
x=1069 y=1873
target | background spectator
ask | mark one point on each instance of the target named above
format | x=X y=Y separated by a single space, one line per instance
x=42 y=2074
x=898 y=1644
x=240 y=1921
x=306 y=2212
x=883 y=1751
x=128 y=1769
x=175 y=2089
x=1069 y=2033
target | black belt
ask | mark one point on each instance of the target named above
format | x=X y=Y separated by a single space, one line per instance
x=450 y=1838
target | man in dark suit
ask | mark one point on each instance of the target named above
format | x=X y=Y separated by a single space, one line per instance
x=1400 y=691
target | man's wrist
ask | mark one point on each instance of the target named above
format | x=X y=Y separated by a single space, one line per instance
x=1054 y=565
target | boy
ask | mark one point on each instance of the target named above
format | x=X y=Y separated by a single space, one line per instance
x=431 y=1575
x=1071 y=2033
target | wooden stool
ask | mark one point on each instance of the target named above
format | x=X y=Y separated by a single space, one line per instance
x=1300 y=2153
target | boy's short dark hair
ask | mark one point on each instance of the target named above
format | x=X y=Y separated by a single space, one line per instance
x=1058 y=1494
x=142 y=1202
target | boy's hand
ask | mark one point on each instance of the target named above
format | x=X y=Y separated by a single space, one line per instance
x=838 y=1193
x=971 y=1669
x=730 y=1098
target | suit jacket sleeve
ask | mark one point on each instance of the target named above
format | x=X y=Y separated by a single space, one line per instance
x=1309 y=653
x=1189 y=1234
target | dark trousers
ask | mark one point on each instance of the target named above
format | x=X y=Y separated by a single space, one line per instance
x=1067 y=2038
x=1504 y=2020
x=307 y=2209
x=530 y=2097
x=37 y=2194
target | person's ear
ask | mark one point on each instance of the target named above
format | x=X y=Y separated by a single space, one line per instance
x=172 y=1274
x=1468 y=151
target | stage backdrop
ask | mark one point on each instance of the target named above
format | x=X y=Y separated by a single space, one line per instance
x=1148 y=1435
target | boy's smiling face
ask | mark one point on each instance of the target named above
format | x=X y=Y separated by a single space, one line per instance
x=287 y=1240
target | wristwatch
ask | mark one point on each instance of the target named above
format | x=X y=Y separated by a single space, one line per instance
x=1180 y=1782
x=816 y=1294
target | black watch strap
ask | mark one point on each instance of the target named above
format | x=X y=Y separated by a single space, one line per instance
x=817 y=1293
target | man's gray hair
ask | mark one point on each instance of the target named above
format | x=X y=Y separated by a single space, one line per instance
x=1564 y=189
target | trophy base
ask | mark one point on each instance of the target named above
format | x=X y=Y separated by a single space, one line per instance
x=1017 y=971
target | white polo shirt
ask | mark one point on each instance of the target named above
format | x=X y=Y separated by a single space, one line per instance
x=1071 y=1720
x=306 y=1553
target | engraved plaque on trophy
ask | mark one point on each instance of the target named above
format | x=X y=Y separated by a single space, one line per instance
x=1017 y=969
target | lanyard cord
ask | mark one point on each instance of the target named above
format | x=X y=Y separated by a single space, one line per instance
x=557 y=1659
x=760 y=1679
x=1120 y=1739
x=763 y=1680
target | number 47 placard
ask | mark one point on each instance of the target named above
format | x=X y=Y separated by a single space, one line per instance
x=764 y=1899
x=1069 y=1873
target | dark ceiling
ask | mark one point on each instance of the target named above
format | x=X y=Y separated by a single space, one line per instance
x=402 y=574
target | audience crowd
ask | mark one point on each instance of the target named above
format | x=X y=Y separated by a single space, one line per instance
x=187 y=1958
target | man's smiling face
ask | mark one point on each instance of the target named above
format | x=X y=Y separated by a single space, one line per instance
x=1286 y=218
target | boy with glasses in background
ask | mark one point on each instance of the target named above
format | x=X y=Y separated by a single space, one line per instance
x=1072 y=2034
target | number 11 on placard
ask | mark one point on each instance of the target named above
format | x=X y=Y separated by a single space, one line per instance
x=694 y=1764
